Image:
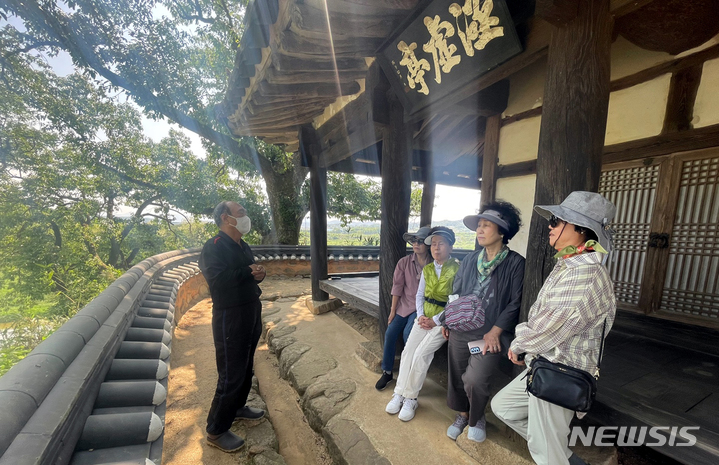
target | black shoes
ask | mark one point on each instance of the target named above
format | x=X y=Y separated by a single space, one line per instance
x=226 y=442
x=249 y=413
x=383 y=381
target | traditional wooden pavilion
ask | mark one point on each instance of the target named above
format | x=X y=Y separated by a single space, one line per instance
x=526 y=100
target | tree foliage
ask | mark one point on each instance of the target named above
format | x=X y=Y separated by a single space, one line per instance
x=172 y=58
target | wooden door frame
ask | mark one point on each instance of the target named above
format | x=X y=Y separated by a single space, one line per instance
x=663 y=219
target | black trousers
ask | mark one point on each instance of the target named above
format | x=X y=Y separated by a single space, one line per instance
x=236 y=332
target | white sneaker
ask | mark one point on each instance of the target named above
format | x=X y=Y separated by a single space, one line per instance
x=408 y=408
x=395 y=404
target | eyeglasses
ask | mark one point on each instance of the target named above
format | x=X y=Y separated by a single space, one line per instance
x=415 y=241
x=554 y=221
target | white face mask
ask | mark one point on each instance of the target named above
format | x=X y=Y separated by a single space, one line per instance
x=243 y=224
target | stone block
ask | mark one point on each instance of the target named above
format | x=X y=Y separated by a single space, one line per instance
x=349 y=445
x=370 y=353
x=279 y=344
x=290 y=355
x=325 y=399
x=319 y=307
x=308 y=369
x=268 y=457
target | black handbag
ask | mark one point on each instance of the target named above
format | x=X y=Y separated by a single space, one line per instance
x=562 y=385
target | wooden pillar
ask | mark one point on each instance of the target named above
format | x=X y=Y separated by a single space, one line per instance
x=396 y=189
x=428 y=193
x=574 y=118
x=309 y=144
x=490 y=159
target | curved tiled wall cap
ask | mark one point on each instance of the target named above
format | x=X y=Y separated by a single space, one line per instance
x=160 y=394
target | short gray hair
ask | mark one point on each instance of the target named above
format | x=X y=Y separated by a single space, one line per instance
x=222 y=208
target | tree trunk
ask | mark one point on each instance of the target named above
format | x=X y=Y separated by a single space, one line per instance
x=284 y=192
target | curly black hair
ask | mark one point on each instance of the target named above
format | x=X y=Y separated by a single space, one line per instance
x=509 y=213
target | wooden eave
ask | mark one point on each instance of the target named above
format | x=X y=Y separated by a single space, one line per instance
x=290 y=68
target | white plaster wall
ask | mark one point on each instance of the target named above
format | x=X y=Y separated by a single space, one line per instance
x=706 y=107
x=637 y=112
x=526 y=88
x=520 y=192
x=518 y=141
x=627 y=58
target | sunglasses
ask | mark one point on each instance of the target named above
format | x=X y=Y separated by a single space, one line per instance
x=554 y=221
x=415 y=241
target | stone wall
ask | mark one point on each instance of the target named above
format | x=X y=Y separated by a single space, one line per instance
x=302 y=267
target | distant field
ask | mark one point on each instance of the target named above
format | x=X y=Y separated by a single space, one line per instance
x=367 y=234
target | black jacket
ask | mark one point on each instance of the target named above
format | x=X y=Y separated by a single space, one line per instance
x=503 y=297
x=226 y=267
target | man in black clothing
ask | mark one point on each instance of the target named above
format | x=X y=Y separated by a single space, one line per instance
x=232 y=275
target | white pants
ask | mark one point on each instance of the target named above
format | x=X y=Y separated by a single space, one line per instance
x=417 y=355
x=545 y=426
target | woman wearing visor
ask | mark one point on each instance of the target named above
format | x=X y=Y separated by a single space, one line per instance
x=404 y=291
x=435 y=285
x=565 y=323
x=495 y=275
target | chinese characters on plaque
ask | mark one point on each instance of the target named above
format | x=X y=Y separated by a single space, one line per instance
x=447 y=39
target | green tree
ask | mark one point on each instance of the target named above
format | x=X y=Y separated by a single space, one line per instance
x=69 y=157
x=172 y=58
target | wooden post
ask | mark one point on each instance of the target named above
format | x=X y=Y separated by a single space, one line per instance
x=428 y=193
x=309 y=144
x=396 y=189
x=490 y=159
x=574 y=118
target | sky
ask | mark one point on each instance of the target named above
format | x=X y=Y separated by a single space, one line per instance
x=451 y=203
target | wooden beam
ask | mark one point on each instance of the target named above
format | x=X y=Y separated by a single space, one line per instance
x=556 y=12
x=301 y=45
x=663 y=144
x=318 y=210
x=490 y=159
x=663 y=68
x=274 y=76
x=682 y=95
x=308 y=90
x=399 y=4
x=620 y=8
x=282 y=62
x=396 y=189
x=521 y=168
x=360 y=138
x=522 y=115
x=309 y=19
x=574 y=118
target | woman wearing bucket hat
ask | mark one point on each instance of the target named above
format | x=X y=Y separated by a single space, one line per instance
x=495 y=275
x=435 y=285
x=404 y=291
x=565 y=323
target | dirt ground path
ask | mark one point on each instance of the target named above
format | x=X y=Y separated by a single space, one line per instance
x=192 y=383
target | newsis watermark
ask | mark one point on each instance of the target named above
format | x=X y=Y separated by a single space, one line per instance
x=634 y=436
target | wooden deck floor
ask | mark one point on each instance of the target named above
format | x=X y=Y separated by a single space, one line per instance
x=361 y=293
x=654 y=373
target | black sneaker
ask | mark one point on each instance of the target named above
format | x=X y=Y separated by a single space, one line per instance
x=249 y=413
x=226 y=442
x=383 y=381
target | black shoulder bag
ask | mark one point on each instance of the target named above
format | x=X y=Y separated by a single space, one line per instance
x=562 y=385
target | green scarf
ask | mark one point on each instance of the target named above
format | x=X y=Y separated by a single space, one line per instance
x=572 y=250
x=485 y=268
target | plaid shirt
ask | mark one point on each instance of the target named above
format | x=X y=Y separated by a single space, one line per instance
x=565 y=323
